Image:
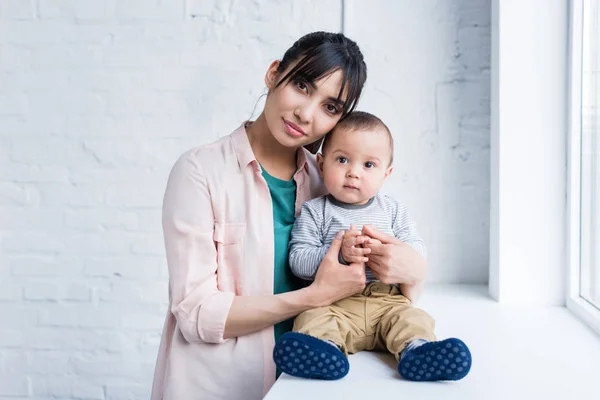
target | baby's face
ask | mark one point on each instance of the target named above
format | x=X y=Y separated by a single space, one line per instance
x=356 y=164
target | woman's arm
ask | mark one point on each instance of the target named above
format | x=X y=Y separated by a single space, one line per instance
x=205 y=314
x=405 y=230
x=188 y=227
x=394 y=261
x=333 y=282
x=412 y=292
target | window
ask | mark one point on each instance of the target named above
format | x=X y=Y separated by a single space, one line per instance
x=590 y=154
x=584 y=162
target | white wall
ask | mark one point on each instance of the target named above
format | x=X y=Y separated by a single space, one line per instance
x=429 y=80
x=529 y=146
x=97 y=99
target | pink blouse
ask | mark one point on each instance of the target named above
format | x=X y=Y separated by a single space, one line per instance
x=218 y=230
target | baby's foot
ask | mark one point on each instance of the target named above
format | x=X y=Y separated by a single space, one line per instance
x=447 y=360
x=306 y=356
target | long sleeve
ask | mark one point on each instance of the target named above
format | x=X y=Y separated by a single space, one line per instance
x=188 y=226
x=306 y=243
x=405 y=229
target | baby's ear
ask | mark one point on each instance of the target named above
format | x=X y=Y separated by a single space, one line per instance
x=389 y=171
x=320 y=161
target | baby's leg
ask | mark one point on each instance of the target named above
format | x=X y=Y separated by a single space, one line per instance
x=318 y=345
x=408 y=333
x=342 y=323
x=402 y=323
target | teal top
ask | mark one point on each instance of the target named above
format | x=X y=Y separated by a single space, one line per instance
x=283 y=195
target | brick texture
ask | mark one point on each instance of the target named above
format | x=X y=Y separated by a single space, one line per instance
x=98 y=99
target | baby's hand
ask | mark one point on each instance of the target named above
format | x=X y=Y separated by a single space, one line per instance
x=352 y=250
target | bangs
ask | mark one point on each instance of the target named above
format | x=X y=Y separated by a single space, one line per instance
x=324 y=60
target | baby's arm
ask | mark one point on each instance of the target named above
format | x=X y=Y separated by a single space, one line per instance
x=306 y=243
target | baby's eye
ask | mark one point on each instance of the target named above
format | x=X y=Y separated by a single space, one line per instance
x=342 y=160
x=369 y=164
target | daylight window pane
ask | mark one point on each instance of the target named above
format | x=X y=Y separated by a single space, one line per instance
x=590 y=155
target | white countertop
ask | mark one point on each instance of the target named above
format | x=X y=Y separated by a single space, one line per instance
x=518 y=352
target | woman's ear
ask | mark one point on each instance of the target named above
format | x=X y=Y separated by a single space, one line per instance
x=320 y=164
x=271 y=75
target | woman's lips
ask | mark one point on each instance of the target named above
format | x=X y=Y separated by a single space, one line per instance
x=293 y=129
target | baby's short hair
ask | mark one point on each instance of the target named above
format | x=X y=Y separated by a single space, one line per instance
x=360 y=121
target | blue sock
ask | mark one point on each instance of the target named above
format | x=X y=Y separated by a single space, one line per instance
x=306 y=356
x=447 y=360
x=413 y=344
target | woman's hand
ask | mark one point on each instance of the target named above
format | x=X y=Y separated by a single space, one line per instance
x=393 y=261
x=335 y=281
x=352 y=251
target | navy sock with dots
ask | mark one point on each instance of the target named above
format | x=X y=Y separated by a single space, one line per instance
x=447 y=360
x=306 y=356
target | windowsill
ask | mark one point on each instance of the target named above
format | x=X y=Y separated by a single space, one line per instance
x=518 y=352
x=585 y=311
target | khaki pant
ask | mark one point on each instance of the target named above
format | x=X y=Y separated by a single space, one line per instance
x=379 y=318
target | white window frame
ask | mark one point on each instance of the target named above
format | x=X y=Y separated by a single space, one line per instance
x=528 y=151
x=575 y=302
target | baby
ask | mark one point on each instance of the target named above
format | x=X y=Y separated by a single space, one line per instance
x=356 y=160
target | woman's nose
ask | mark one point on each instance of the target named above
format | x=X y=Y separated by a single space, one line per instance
x=305 y=112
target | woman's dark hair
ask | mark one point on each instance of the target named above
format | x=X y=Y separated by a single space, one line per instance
x=322 y=53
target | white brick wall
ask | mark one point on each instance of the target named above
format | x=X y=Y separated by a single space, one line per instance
x=98 y=98
x=429 y=79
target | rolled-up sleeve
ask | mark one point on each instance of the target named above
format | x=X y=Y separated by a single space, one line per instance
x=199 y=307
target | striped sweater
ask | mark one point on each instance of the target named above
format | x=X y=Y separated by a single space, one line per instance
x=321 y=218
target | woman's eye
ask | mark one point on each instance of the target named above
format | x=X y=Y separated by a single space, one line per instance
x=342 y=160
x=332 y=109
x=302 y=86
x=369 y=164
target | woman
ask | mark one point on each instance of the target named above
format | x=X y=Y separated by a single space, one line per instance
x=227 y=213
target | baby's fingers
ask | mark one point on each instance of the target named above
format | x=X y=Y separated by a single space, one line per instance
x=357 y=259
x=355 y=240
